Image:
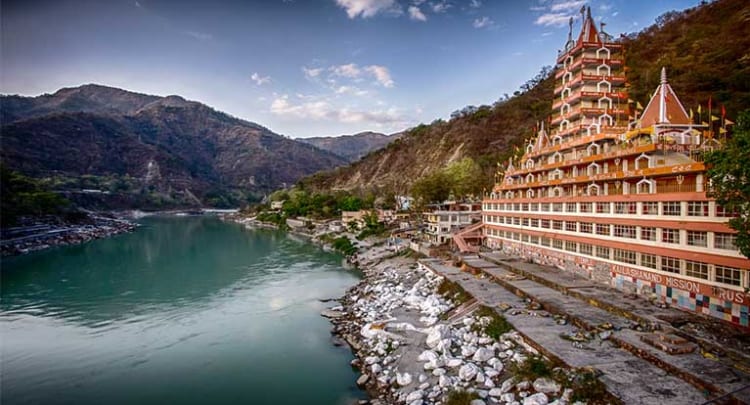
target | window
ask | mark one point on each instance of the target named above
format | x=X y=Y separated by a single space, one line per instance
x=697 y=238
x=524 y=238
x=722 y=212
x=670 y=264
x=557 y=225
x=524 y=207
x=545 y=206
x=534 y=207
x=602 y=251
x=670 y=235
x=585 y=249
x=557 y=207
x=698 y=208
x=648 y=233
x=516 y=221
x=586 y=207
x=570 y=207
x=525 y=222
x=602 y=229
x=651 y=208
x=625 y=207
x=534 y=223
x=557 y=243
x=648 y=260
x=585 y=227
x=672 y=208
x=570 y=246
x=725 y=241
x=728 y=275
x=516 y=236
x=517 y=207
x=602 y=208
x=545 y=241
x=625 y=256
x=545 y=223
x=696 y=269
x=625 y=231
x=534 y=239
x=570 y=226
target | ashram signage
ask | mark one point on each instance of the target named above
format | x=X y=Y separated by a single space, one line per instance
x=737 y=297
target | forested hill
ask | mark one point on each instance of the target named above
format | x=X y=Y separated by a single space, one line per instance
x=706 y=51
x=141 y=151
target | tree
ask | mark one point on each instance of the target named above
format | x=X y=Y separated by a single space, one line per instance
x=729 y=174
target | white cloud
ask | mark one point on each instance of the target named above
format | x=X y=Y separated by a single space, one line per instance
x=351 y=90
x=416 y=14
x=615 y=13
x=201 y=36
x=483 y=22
x=475 y=3
x=311 y=72
x=260 y=80
x=357 y=73
x=368 y=8
x=553 y=19
x=324 y=110
x=382 y=75
x=350 y=70
x=440 y=7
x=567 y=5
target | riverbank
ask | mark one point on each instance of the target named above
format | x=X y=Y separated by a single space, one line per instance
x=420 y=339
x=47 y=232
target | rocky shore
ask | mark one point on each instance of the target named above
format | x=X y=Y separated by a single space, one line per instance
x=50 y=232
x=416 y=346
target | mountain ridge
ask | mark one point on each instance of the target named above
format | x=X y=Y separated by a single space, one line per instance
x=352 y=147
x=114 y=136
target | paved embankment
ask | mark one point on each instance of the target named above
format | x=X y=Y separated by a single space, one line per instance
x=662 y=379
x=628 y=377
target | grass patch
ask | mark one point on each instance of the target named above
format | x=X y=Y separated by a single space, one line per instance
x=531 y=369
x=460 y=397
x=498 y=324
x=453 y=291
x=587 y=388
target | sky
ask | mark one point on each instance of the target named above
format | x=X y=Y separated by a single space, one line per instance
x=302 y=67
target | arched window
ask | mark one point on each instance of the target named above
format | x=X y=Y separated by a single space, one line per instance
x=530 y=164
x=604 y=102
x=564 y=125
x=604 y=84
x=557 y=191
x=593 y=169
x=593 y=149
x=529 y=193
x=592 y=189
x=644 y=186
x=642 y=162
x=602 y=50
x=603 y=68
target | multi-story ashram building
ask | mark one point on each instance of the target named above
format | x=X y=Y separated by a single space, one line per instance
x=620 y=200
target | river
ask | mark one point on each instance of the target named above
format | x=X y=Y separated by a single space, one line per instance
x=184 y=310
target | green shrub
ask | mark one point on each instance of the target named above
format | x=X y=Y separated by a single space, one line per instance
x=460 y=397
x=453 y=291
x=531 y=369
x=498 y=324
x=344 y=245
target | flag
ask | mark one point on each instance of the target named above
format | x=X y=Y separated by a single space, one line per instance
x=723 y=111
x=691 y=114
x=714 y=118
x=631 y=101
x=727 y=122
x=709 y=102
x=704 y=123
x=700 y=110
x=638 y=106
x=722 y=131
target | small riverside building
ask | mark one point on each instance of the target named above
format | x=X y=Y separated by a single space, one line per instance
x=444 y=219
x=618 y=200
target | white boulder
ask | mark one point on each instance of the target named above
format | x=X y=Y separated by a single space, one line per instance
x=536 y=399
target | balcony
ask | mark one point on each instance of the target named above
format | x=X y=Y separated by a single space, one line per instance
x=590 y=95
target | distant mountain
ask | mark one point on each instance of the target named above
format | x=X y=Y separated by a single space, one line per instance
x=153 y=151
x=352 y=147
x=705 y=51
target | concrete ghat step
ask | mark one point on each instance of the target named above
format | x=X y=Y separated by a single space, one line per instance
x=629 y=378
x=689 y=368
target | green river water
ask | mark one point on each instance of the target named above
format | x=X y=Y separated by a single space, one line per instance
x=182 y=311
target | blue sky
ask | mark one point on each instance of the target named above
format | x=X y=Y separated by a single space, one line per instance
x=301 y=68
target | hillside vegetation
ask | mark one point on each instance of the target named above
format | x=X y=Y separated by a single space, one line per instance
x=140 y=151
x=706 y=50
